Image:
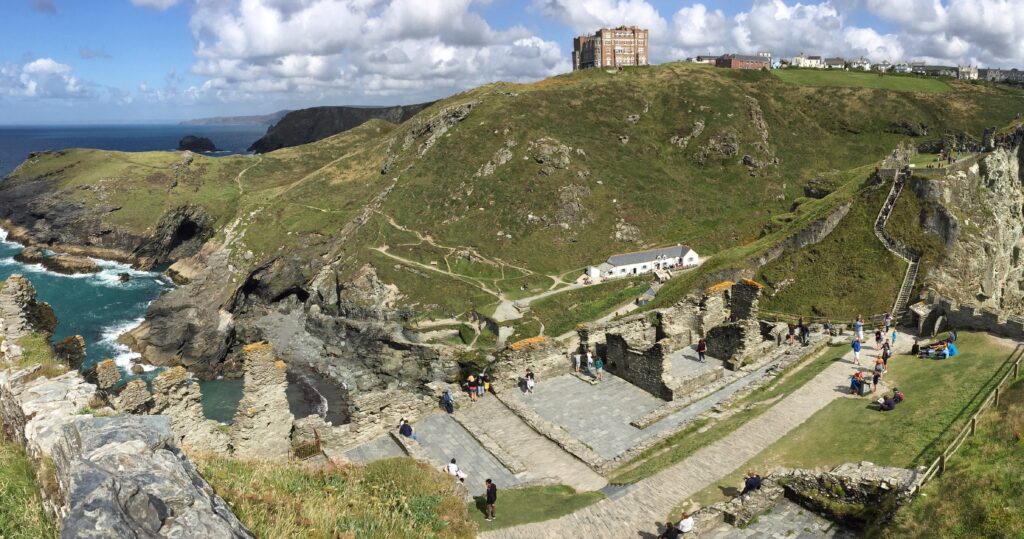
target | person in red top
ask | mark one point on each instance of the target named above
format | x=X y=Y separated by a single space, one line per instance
x=702 y=349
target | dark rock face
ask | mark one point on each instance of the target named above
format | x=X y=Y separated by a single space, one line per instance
x=59 y=263
x=193 y=143
x=310 y=125
x=912 y=129
x=125 y=477
x=180 y=233
x=71 y=350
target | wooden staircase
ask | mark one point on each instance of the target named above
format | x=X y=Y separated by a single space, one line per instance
x=899 y=308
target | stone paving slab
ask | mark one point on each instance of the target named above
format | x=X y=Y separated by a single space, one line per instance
x=442 y=439
x=379 y=448
x=686 y=363
x=786 y=520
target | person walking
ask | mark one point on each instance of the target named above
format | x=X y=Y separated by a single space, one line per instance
x=590 y=362
x=894 y=336
x=531 y=380
x=886 y=353
x=576 y=362
x=856 y=351
x=702 y=350
x=858 y=328
x=491 y=497
x=599 y=369
x=878 y=339
x=887 y=321
x=448 y=402
x=481 y=384
x=471 y=385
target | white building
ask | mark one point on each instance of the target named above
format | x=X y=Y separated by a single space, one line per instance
x=883 y=66
x=861 y=63
x=679 y=256
x=967 y=72
x=812 y=62
x=903 y=67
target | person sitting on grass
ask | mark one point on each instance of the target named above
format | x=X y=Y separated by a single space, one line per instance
x=886 y=404
x=897 y=396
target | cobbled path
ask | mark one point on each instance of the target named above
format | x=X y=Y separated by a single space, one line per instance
x=638 y=510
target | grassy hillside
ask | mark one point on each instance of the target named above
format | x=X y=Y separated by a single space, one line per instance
x=22 y=515
x=848 y=79
x=540 y=180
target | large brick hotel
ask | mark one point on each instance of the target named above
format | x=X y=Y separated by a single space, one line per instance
x=610 y=47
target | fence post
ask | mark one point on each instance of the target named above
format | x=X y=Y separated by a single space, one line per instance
x=942 y=463
x=1016 y=369
x=974 y=424
x=995 y=402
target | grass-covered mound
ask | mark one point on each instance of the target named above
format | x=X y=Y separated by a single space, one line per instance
x=853 y=79
x=394 y=498
x=982 y=490
x=530 y=504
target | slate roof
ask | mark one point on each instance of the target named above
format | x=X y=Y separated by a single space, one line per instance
x=651 y=255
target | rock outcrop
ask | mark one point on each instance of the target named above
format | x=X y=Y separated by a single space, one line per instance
x=313 y=124
x=192 y=143
x=177 y=396
x=263 y=423
x=124 y=477
x=57 y=263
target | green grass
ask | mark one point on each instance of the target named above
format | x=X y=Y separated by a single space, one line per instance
x=563 y=312
x=941 y=396
x=22 y=515
x=36 y=351
x=531 y=504
x=852 y=79
x=982 y=490
x=681 y=445
x=387 y=498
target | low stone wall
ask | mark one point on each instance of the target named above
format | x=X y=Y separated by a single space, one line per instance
x=646 y=369
x=935 y=314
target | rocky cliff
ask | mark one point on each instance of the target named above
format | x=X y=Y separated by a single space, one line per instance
x=310 y=125
x=977 y=210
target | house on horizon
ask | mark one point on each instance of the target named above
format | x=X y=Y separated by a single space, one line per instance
x=861 y=63
x=703 y=59
x=810 y=62
x=835 y=63
x=745 y=61
x=640 y=262
x=883 y=67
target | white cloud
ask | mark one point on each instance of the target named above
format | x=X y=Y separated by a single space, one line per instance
x=160 y=5
x=359 y=50
x=43 y=78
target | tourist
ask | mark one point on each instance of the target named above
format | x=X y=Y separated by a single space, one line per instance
x=531 y=380
x=590 y=361
x=875 y=378
x=791 y=337
x=702 y=350
x=894 y=336
x=879 y=365
x=805 y=334
x=448 y=402
x=886 y=404
x=856 y=351
x=826 y=328
x=405 y=429
x=453 y=470
x=897 y=396
x=878 y=339
x=857 y=383
x=471 y=384
x=952 y=335
x=686 y=523
x=887 y=321
x=491 y=497
x=886 y=353
x=671 y=532
x=751 y=483
x=599 y=369
x=915 y=349
x=576 y=361
x=858 y=328
x=481 y=385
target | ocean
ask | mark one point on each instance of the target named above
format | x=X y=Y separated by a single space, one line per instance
x=17 y=142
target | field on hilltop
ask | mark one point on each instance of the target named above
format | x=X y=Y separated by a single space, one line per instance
x=507 y=191
x=853 y=79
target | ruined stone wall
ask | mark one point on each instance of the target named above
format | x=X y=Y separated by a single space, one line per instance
x=645 y=369
x=937 y=314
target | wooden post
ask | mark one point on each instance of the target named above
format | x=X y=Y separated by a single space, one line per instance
x=974 y=424
x=995 y=402
x=1016 y=369
x=942 y=463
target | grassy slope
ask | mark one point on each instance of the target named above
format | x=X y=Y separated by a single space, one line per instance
x=22 y=515
x=941 y=396
x=837 y=78
x=982 y=490
x=298 y=198
x=389 y=498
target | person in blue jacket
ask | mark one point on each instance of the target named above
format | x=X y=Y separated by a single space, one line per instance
x=856 y=351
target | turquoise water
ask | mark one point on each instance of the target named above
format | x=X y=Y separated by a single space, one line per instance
x=98 y=306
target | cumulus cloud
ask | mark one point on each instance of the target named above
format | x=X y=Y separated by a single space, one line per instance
x=359 y=50
x=43 y=78
x=159 y=5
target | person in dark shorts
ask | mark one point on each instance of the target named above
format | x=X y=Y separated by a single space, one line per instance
x=751 y=483
x=491 y=497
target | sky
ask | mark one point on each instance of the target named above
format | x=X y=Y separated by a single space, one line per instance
x=100 y=61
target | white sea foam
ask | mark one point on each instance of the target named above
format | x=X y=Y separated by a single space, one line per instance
x=123 y=356
x=3 y=236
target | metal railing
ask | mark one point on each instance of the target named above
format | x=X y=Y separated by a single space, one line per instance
x=938 y=465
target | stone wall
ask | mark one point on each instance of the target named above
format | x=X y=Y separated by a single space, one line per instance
x=935 y=314
x=645 y=369
x=263 y=422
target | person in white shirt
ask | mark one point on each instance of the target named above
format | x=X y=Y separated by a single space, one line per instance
x=686 y=524
x=453 y=470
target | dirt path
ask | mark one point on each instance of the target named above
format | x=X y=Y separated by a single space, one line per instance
x=238 y=178
x=648 y=502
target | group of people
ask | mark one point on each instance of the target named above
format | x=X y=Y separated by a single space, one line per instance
x=799 y=331
x=490 y=489
x=943 y=349
x=594 y=364
x=477 y=386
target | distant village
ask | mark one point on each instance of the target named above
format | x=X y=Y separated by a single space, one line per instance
x=627 y=46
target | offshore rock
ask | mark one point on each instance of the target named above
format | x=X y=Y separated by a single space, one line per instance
x=196 y=144
x=58 y=263
x=263 y=423
x=125 y=477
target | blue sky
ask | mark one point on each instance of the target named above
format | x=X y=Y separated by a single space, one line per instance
x=89 y=61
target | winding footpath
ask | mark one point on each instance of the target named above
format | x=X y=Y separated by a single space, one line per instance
x=643 y=506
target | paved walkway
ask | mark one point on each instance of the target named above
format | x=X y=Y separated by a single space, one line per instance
x=638 y=510
x=442 y=439
x=383 y=447
x=600 y=415
x=542 y=457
